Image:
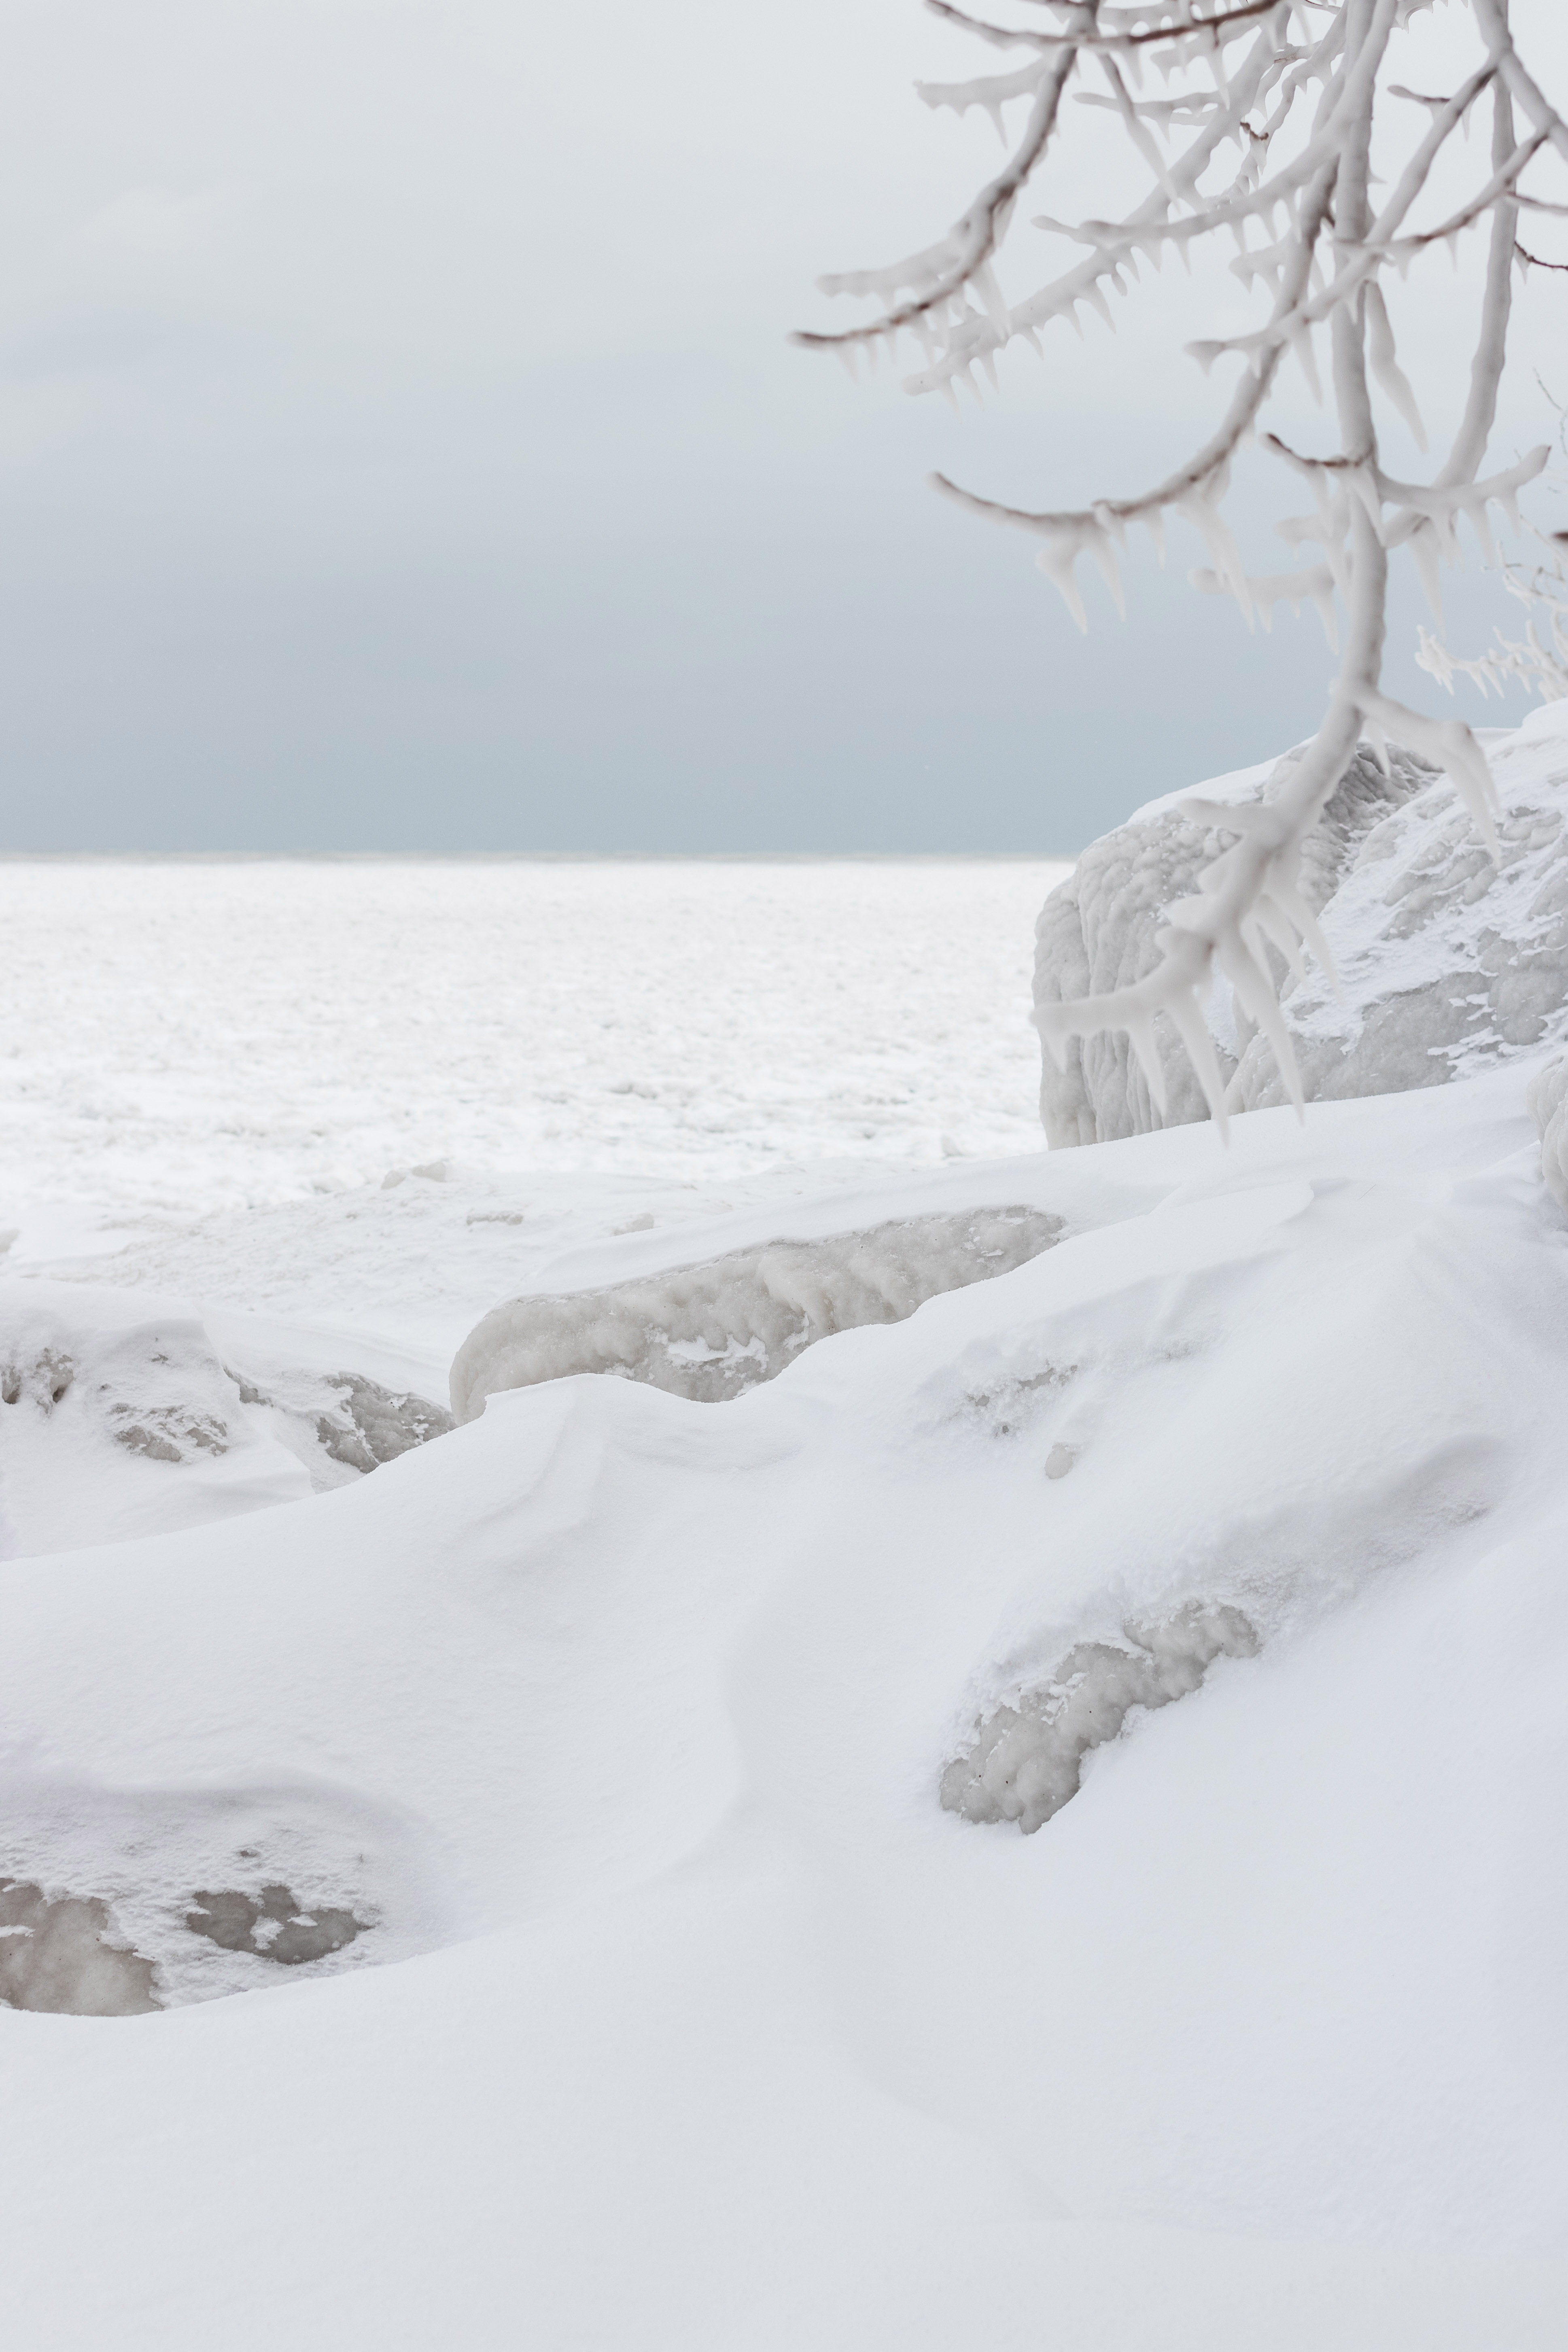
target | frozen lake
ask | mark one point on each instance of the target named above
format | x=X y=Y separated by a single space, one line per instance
x=189 y=1034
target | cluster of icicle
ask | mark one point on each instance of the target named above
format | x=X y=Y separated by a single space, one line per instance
x=1293 y=87
x=1525 y=661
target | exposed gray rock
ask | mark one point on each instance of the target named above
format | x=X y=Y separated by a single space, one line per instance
x=273 y=1925
x=54 y=1957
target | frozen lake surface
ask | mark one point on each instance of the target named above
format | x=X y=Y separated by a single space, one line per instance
x=192 y=1034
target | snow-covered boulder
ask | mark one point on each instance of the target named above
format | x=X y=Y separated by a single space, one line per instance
x=121 y=1417
x=1449 y=962
x=711 y=1331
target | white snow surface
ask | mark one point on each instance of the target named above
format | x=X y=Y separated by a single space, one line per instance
x=536 y=1846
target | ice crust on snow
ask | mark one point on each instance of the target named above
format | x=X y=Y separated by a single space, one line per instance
x=712 y=1331
x=1449 y=963
x=1026 y=1760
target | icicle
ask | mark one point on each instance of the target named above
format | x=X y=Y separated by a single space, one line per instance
x=1379 y=742
x=1187 y=1015
x=1385 y=367
x=1140 y=1037
x=1104 y=553
x=1056 y=560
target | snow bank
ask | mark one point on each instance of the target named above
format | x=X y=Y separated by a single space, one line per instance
x=1451 y=964
x=712 y=1331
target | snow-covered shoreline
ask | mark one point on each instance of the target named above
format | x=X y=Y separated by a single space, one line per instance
x=567 y=1881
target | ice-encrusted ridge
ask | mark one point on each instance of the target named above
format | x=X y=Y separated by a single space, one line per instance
x=711 y=1331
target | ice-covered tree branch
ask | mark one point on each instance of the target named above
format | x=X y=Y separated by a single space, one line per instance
x=1303 y=92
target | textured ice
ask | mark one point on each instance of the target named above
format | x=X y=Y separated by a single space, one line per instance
x=1449 y=962
x=658 y=1019
x=712 y=1331
x=1026 y=1760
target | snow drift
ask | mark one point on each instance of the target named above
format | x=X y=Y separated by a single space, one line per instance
x=712 y=1331
x=1451 y=964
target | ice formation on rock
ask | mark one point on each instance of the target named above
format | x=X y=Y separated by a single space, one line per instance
x=1449 y=960
x=353 y=1420
x=1028 y=1759
x=113 y=1420
x=712 y=1331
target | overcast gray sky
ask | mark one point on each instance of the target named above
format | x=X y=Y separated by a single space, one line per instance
x=400 y=447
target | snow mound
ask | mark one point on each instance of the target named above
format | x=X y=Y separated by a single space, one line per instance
x=1028 y=1759
x=710 y=1332
x=1449 y=962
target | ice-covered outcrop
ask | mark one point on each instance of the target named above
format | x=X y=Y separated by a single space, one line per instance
x=118 y=1420
x=711 y=1331
x=1449 y=962
x=1026 y=1760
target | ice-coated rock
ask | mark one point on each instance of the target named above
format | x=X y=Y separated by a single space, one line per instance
x=1026 y=1760
x=1449 y=961
x=118 y=1415
x=710 y=1332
